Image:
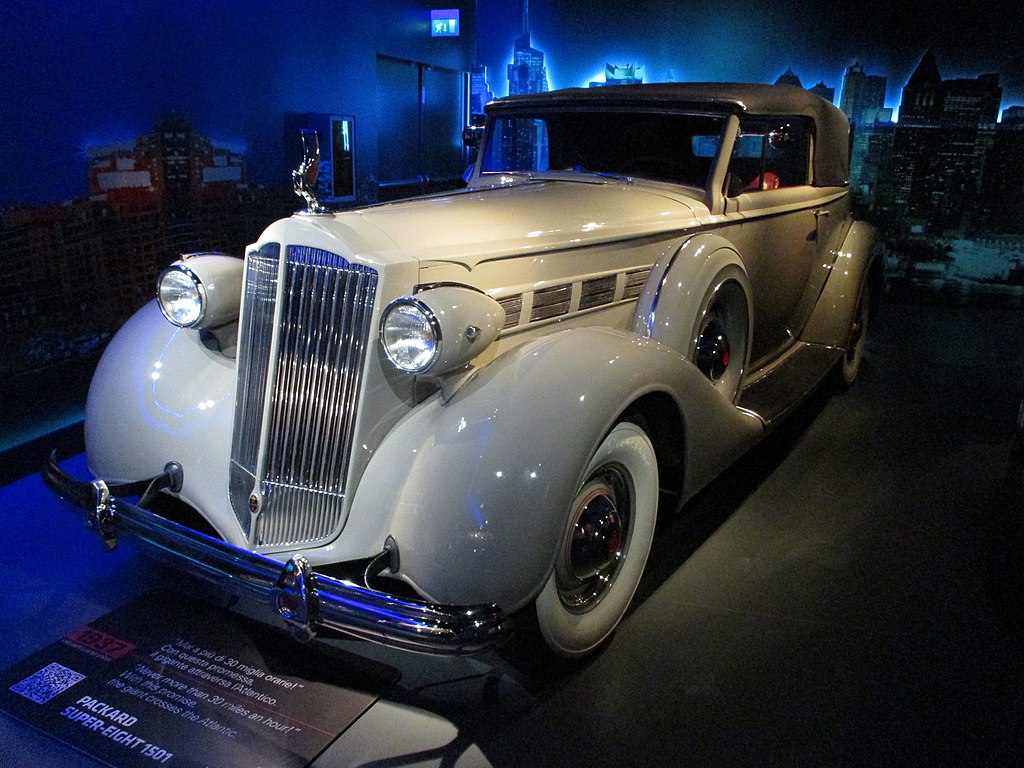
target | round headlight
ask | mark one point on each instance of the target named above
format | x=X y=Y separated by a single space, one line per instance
x=181 y=297
x=411 y=335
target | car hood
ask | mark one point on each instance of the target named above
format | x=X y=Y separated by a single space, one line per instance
x=537 y=216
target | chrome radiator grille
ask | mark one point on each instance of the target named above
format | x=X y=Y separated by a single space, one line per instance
x=302 y=342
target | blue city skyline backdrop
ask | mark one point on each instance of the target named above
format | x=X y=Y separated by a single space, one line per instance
x=82 y=73
x=757 y=41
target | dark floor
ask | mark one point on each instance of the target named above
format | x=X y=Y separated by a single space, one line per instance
x=850 y=593
x=42 y=409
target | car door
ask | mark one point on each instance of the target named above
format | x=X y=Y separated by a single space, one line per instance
x=780 y=223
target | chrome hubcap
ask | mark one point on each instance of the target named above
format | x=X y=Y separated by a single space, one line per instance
x=596 y=542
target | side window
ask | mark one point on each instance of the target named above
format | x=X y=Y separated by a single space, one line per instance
x=770 y=153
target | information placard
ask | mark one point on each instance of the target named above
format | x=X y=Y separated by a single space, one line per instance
x=166 y=681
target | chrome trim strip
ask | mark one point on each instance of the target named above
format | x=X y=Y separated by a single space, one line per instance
x=305 y=600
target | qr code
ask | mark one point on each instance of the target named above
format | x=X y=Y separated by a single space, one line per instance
x=47 y=683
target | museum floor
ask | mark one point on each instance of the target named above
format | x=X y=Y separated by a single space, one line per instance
x=850 y=593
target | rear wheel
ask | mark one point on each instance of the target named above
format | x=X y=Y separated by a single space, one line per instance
x=604 y=545
x=720 y=341
x=849 y=367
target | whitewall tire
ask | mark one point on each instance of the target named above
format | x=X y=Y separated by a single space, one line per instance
x=605 y=544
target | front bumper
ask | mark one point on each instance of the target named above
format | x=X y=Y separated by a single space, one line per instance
x=307 y=601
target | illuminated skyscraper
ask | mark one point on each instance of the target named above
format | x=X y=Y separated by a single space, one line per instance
x=1002 y=183
x=526 y=73
x=616 y=75
x=972 y=101
x=930 y=100
x=922 y=95
x=863 y=97
x=479 y=92
x=172 y=169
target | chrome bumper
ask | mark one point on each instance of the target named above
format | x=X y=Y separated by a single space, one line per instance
x=307 y=601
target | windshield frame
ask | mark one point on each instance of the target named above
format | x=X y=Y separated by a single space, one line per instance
x=486 y=174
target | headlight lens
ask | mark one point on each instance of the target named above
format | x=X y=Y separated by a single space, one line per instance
x=181 y=297
x=411 y=335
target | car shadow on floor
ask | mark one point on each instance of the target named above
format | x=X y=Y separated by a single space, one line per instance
x=681 y=532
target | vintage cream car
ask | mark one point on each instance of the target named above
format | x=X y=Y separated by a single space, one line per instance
x=412 y=421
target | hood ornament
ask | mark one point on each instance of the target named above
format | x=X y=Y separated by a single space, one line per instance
x=305 y=177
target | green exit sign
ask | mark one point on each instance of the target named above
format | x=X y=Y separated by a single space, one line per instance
x=444 y=23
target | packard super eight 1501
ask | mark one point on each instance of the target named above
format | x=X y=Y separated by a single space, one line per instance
x=411 y=421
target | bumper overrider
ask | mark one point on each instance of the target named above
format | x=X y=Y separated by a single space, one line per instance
x=306 y=600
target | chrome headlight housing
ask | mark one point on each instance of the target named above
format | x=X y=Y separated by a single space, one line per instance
x=440 y=329
x=411 y=335
x=181 y=296
x=201 y=290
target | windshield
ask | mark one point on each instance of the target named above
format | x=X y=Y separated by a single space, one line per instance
x=677 y=148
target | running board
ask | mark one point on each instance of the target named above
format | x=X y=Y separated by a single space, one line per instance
x=776 y=390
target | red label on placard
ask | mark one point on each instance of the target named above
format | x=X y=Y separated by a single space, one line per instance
x=106 y=645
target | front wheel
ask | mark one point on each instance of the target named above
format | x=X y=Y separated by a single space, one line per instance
x=604 y=546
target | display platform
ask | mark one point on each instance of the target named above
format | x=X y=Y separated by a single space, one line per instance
x=170 y=681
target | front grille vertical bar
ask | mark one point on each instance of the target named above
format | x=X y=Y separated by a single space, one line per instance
x=325 y=317
x=322 y=382
x=256 y=328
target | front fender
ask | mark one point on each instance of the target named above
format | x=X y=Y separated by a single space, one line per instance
x=159 y=395
x=476 y=490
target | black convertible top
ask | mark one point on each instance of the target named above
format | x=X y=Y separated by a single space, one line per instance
x=832 y=129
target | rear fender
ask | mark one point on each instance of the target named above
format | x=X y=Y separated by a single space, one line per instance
x=677 y=294
x=854 y=264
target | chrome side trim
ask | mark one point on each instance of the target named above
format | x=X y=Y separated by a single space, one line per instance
x=305 y=600
x=557 y=301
